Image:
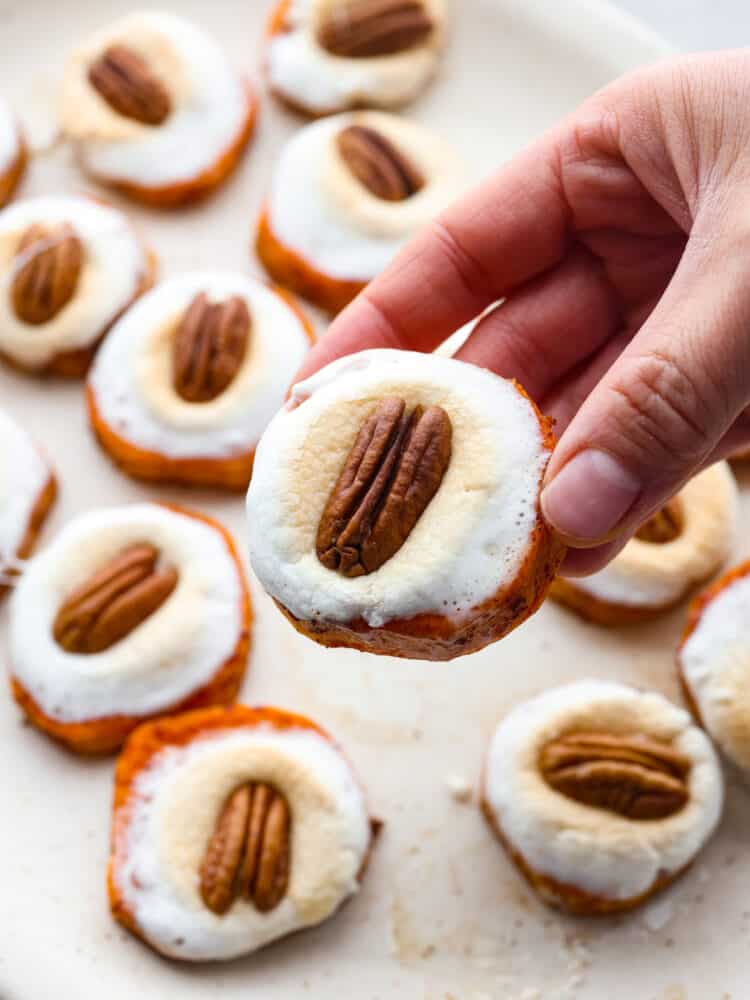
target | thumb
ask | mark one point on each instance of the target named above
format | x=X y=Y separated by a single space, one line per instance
x=662 y=408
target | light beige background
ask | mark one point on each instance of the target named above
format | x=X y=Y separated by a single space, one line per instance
x=442 y=913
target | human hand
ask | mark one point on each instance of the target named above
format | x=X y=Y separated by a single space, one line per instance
x=619 y=243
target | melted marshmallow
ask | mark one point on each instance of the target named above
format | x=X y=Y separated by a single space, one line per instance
x=114 y=264
x=319 y=210
x=592 y=849
x=175 y=651
x=306 y=74
x=652 y=575
x=23 y=476
x=133 y=382
x=172 y=819
x=715 y=663
x=209 y=104
x=471 y=539
x=10 y=143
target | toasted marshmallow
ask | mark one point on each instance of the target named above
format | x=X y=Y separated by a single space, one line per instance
x=308 y=76
x=474 y=535
x=114 y=267
x=171 y=654
x=714 y=663
x=165 y=823
x=319 y=210
x=208 y=104
x=133 y=382
x=652 y=575
x=593 y=850
x=24 y=474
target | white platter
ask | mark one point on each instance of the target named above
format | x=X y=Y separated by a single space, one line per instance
x=442 y=913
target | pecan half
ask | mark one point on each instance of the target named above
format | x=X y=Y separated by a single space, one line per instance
x=665 y=525
x=114 y=601
x=127 y=84
x=248 y=854
x=49 y=263
x=363 y=28
x=633 y=776
x=377 y=164
x=209 y=347
x=391 y=473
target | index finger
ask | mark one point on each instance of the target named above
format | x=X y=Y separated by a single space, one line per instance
x=506 y=231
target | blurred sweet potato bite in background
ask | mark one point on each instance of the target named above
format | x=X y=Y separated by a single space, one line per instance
x=347 y=193
x=601 y=794
x=28 y=487
x=323 y=57
x=131 y=612
x=72 y=265
x=677 y=549
x=13 y=154
x=186 y=383
x=714 y=662
x=232 y=828
x=155 y=110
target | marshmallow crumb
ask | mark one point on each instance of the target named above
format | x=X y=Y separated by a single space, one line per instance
x=460 y=788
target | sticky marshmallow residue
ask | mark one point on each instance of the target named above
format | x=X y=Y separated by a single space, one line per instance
x=471 y=539
x=132 y=377
x=171 y=820
x=174 y=652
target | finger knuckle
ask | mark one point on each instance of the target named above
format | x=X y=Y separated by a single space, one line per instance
x=471 y=272
x=663 y=408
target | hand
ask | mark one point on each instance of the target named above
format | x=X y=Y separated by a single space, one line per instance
x=621 y=243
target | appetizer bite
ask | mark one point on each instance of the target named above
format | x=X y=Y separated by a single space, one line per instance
x=324 y=56
x=348 y=192
x=677 y=549
x=187 y=380
x=232 y=828
x=601 y=794
x=13 y=154
x=27 y=491
x=394 y=506
x=155 y=110
x=69 y=266
x=714 y=663
x=131 y=612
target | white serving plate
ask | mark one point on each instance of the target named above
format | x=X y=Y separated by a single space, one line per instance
x=442 y=913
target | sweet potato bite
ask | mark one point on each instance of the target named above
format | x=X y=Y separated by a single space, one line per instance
x=187 y=381
x=262 y=830
x=394 y=506
x=131 y=612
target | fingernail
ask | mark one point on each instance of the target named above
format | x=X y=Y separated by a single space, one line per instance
x=589 y=496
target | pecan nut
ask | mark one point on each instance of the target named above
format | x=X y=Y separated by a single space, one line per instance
x=209 y=347
x=114 y=601
x=125 y=81
x=248 y=854
x=358 y=29
x=377 y=164
x=665 y=525
x=391 y=474
x=634 y=776
x=48 y=267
